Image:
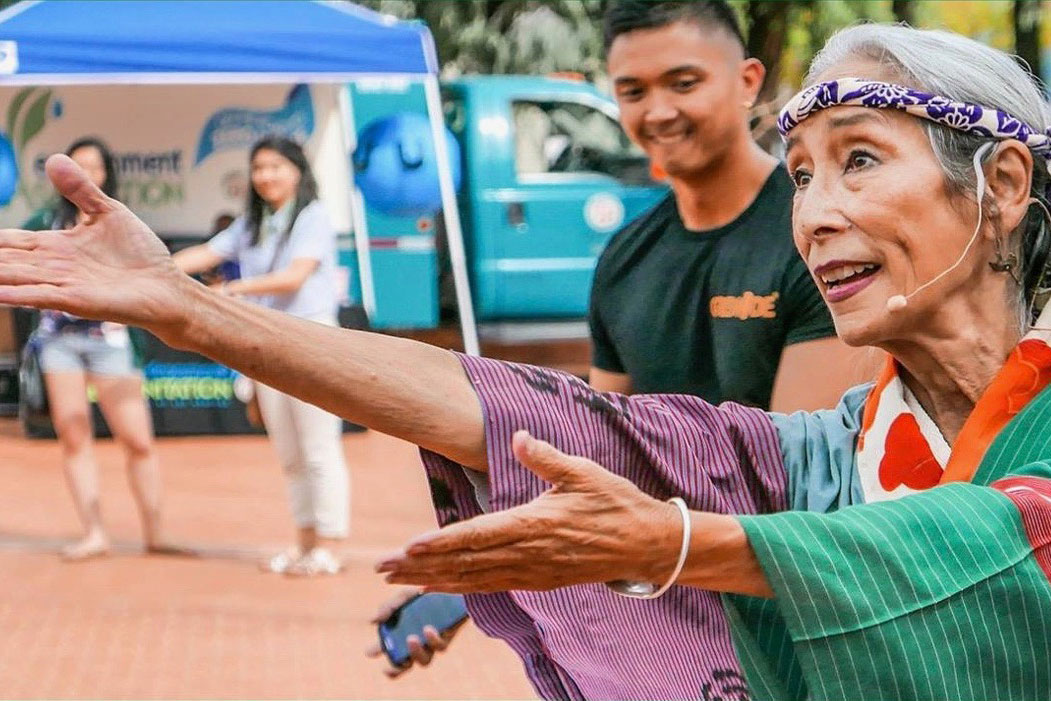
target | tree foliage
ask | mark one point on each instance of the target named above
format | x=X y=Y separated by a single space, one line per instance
x=1026 y=19
x=509 y=36
x=534 y=36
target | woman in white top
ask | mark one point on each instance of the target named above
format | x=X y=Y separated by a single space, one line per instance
x=286 y=248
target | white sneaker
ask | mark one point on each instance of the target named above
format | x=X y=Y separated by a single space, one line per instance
x=317 y=561
x=282 y=562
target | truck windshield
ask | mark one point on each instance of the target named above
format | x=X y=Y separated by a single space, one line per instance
x=556 y=136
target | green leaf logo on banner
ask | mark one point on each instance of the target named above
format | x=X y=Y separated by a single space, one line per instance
x=34 y=119
x=15 y=106
x=26 y=116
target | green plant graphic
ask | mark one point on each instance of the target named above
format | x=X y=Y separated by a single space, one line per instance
x=26 y=116
x=15 y=106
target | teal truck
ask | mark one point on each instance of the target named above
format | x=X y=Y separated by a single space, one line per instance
x=546 y=177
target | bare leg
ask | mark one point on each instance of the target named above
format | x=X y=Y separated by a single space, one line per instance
x=124 y=407
x=308 y=539
x=67 y=396
x=319 y=555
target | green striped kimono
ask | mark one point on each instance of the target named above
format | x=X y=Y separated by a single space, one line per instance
x=941 y=595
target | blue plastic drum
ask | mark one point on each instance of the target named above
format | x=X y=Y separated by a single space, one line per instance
x=395 y=165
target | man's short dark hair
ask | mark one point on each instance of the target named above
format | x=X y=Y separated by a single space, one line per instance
x=623 y=16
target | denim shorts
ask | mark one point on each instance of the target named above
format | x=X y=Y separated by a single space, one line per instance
x=76 y=351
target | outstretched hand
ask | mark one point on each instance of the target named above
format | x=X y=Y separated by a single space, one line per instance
x=108 y=266
x=591 y=526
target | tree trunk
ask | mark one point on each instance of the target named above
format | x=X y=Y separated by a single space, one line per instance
x=904 y=11
x=1027 y=16
x=767 y=27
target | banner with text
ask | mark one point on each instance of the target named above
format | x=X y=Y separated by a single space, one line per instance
x=181 y=150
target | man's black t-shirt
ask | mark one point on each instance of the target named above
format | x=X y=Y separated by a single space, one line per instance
x=705 y=312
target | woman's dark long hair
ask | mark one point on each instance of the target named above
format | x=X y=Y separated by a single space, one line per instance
x=306 y=192
x=66 y=211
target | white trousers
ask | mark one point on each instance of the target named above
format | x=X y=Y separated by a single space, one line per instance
x=309 y=445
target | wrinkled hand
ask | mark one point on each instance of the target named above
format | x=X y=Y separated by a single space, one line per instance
x=421 y=651
x=591 y=526
x=109 y=266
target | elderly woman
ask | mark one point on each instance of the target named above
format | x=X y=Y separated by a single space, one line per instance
x=918 y=157
x=921 y=166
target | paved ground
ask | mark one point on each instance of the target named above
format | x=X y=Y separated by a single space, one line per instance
x=131 y=626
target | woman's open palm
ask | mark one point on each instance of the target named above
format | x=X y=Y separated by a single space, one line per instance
x=109 y=266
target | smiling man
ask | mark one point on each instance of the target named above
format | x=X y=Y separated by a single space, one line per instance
x=705 y=293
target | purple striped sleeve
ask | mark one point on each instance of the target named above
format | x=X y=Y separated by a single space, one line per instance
x=585 y=641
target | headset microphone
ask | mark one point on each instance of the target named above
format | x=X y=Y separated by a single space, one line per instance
x=899 y=302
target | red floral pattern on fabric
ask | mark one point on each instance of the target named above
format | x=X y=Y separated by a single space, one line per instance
x=1035 y=357
x=911 y=462
x=1026 y=372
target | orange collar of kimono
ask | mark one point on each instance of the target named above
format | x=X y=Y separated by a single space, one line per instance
x=908 y=460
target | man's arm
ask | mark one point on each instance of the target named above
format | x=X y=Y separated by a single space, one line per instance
x=606 y=381
x=111 y=266
x=816 y=368
x=607 y=373
x=815 y=374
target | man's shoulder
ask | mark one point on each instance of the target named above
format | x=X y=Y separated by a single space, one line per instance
x=764 y=232
x=655 y=217
x=636 y=232
x=773 y=205
x=780 y=184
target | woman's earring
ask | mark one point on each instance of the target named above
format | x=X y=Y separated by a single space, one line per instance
x=1005 y=264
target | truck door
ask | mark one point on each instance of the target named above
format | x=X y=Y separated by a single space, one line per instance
x=576 y=180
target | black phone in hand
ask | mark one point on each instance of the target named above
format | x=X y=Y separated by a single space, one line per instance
x=443 y=611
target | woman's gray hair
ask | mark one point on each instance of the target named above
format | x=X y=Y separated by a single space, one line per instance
x=960 y=68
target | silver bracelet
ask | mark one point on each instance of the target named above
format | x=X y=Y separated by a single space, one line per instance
x=649 y=590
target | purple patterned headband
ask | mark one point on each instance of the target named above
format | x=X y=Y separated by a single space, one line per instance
x=964 y=116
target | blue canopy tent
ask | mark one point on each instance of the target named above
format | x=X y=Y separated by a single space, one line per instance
x=68 y=42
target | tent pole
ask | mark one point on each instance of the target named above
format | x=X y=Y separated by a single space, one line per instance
x=362 y=247
x=451 y=214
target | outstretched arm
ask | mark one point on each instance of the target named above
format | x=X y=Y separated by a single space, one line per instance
x=111 y=266
x=407 y=389
x=196 y=259
x=280 y=282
